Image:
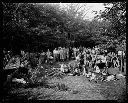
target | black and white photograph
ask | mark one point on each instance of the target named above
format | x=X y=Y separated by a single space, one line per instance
x=63 y=51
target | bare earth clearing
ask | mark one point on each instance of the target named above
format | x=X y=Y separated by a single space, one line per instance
x=71 y=88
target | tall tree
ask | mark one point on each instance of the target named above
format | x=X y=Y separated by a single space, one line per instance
x=116 y=15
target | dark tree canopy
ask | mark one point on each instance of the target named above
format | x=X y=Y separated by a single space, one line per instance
x=33 y=27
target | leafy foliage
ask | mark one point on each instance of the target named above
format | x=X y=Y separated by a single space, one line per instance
x=116 y=15
x=34 y=26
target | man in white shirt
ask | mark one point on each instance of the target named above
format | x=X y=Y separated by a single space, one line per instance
x=67 y=53
x=121 y=60
x=74 y=52
x=103 y=58
x=120 y=53
x=61 y=54
x=48 y=55
x=55 y=54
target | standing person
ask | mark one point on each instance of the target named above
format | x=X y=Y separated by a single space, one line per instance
x=123 y=60
x=61 y=54
x=93 y=60
x=115 y=61
x=42 y=58
x=96 y=49
x=80 y=49
x=120 y=55
x=55 y=52
x=85 y=55
x=77 y=51
x=88 y=61
x=74 y=52
x=108 y=60
x=48 y=55
x=93 y=51
x=114 y=70
x=64 y=53
x=103 y=63
x=27 y=56
x=67 y=53
x=84 y=66
x=122 y=68
x=70 y=53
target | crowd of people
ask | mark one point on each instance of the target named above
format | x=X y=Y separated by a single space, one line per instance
x=88 y=60
x=85 y=60
x=99 y=61
x=89 y=57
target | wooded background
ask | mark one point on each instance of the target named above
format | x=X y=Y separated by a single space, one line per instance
x=35 y=27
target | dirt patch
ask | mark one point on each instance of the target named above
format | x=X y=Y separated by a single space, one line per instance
x=113 y=90
x=63 y=87
x=73 y=88
x=77 y=82
x=78 y=88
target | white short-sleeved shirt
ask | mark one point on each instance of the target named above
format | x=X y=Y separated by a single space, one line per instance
x=104 y=59
x=93 y=51
x=55 y=52
x=119 y=52
x=123 y=53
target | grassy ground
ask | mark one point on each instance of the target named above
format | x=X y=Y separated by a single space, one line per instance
x=63 y=87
